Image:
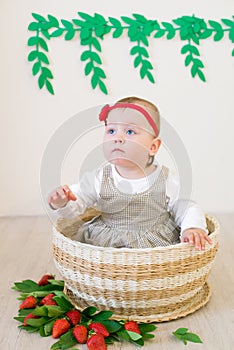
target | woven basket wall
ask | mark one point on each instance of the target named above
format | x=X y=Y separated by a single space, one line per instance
x=148 y=285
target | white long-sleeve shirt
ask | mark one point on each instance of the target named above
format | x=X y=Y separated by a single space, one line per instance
x=187 y=213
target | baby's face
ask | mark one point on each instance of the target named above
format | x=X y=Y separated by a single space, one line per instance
x=126 y=140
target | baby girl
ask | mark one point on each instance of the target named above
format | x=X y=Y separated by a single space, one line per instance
x=137 y=198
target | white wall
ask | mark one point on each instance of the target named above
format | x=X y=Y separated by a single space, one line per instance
x=202 y=114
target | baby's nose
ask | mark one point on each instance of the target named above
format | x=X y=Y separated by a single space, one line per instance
x=120 y=138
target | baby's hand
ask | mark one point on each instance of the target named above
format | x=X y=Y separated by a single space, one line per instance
x=196 y=237
x=60 y=197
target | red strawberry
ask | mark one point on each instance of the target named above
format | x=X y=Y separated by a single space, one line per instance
x=80 y=333
x=29 y=303
x=74 y=316
x=99 y=328
x=48 y=300
x=60 y=327
x=132 y=326
x=44 y=280
x=96 y=342
x=27 y=317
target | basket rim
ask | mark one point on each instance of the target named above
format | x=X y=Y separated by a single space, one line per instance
x=177 y=246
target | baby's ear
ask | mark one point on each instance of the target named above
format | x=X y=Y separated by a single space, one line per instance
x=155 y=145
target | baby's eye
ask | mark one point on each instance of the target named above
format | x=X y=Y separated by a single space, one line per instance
x=110 y=131
x=130 y=132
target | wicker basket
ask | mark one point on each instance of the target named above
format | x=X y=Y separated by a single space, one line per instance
x=147 y=285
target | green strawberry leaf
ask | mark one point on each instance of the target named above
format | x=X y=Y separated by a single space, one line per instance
x=110 y=340
x=19 y=318
x=48 y=328
x=111 y=326
x=63 y=303
x=42 y=331
x=181 y=331
x=134 y=336
x=27 y=285
x=29 y=329
x=37 y=322
x=103 y=315
x=59 y=283
x=25 y=312
x=89 y=311
x=54 y=311
x=66 y=341
x=40 y=311
x=123 y=334
x=146 y=327
x=193 y=338
x=146 y=336
x=185 y=336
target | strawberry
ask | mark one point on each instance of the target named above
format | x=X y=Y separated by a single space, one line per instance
x=96 y=342
x=27 y=317
x=60 y=327
x=80 y=333
x=44 y=280
x=132 y=326
x=74 y=316
x=48 y=300
x=29 y=303
x=99 y=328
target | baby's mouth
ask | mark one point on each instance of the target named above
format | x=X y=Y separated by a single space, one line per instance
x=117 y=150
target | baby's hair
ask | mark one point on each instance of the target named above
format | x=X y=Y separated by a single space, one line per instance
x=145 y=103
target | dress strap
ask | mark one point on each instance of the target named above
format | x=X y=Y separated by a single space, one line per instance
x=106 y=175
x=165 y=171
x=107 y=172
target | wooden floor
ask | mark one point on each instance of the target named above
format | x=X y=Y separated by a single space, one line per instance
x=25 y=252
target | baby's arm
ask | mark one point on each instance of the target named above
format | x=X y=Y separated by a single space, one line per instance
x=188 y=215
x=59 y=197
x=68 y=202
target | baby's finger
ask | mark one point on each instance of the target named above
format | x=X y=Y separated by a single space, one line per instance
x=208 y=239
x=197 y=241
x=69 y=194
x=191 y=239
x=202 y=240
x=66 y=189
x=60 y=193
x=50 y=199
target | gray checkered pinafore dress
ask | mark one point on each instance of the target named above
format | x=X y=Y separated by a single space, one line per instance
x=139 y=220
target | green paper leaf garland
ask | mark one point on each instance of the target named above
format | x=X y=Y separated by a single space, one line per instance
x=191 y=30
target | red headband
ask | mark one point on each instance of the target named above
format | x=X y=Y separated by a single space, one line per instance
x=106 y=109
